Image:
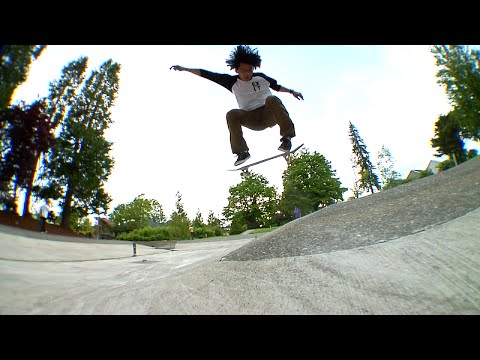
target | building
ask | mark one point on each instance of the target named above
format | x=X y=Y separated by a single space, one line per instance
x=104 y=229
x=432 y=167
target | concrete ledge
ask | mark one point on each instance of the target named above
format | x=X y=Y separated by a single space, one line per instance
x=158 y=244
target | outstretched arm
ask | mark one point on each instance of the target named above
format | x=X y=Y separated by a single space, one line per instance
x=296 y=94
x=181 y=68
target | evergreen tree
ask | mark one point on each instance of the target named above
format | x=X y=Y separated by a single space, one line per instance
x=361 y=162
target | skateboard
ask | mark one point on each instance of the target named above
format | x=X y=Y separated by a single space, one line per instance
x=285 y=155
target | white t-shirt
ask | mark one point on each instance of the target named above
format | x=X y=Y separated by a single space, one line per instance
x=250 y=94
x=44 y=210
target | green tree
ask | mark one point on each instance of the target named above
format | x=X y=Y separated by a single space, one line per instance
x=212 y=220
x=385 y=164
x=15 y=61
x=80 y=163
x=361 y=162
x=135 y=214
x=81 y=224
x=309 y=183
x=251 y=202
x=198 y=221
x=447 y=140
x=459 y=73
x=214 y=223
x=179 y=222
x=61 y=96
x=156 y=214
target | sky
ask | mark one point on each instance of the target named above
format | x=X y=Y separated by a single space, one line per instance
x=169 y=129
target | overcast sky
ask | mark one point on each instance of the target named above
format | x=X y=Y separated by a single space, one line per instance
x=169 y=131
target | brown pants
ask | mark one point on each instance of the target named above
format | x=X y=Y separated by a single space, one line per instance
x=271 y=114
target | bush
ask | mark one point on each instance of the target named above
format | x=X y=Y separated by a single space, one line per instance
x=237 y=227
x=147 y=233
x=169 y=233
x=204 y=232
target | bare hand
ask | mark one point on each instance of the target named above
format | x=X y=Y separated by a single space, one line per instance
x=177 y=68
x=297 y=95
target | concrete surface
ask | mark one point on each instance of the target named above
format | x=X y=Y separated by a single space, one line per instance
x=414 y=249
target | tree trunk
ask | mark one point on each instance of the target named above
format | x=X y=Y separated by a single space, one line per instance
x=28 y=194
x=66 y=210
x=455 y=160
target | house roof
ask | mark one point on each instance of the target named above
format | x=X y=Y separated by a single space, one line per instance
x=106 y=222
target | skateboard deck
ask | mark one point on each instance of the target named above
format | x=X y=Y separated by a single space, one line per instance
x=285 y=155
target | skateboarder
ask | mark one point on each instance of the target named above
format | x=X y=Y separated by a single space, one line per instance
x=258 y=108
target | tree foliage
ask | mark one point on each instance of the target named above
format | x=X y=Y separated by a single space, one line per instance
x=251 y=203
x=136 y=214
x=80 y=162
x=156 y=214
x=447 y=140
x=15 y=61
x=24 y=132
x=361 y=162
x=213 y=227
x=459 y=73
x=179 y=222
x=309 y=183
x=385 y=166
x=213 y=220
x=81 y=225
x=61 y=96
x=198 y=221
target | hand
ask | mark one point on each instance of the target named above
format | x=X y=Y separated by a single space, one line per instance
x=177 y=68
x=297 y=95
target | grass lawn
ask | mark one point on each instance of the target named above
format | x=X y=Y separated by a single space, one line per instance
x=263 y=230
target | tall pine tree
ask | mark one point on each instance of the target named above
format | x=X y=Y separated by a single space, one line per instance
x=362 y=165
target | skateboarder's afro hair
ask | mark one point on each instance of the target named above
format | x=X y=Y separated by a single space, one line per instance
x=244 y=54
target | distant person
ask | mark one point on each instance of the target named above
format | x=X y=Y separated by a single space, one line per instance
x=44 y=213
x=258 y=108
x=296 y=213
x=191 y=231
